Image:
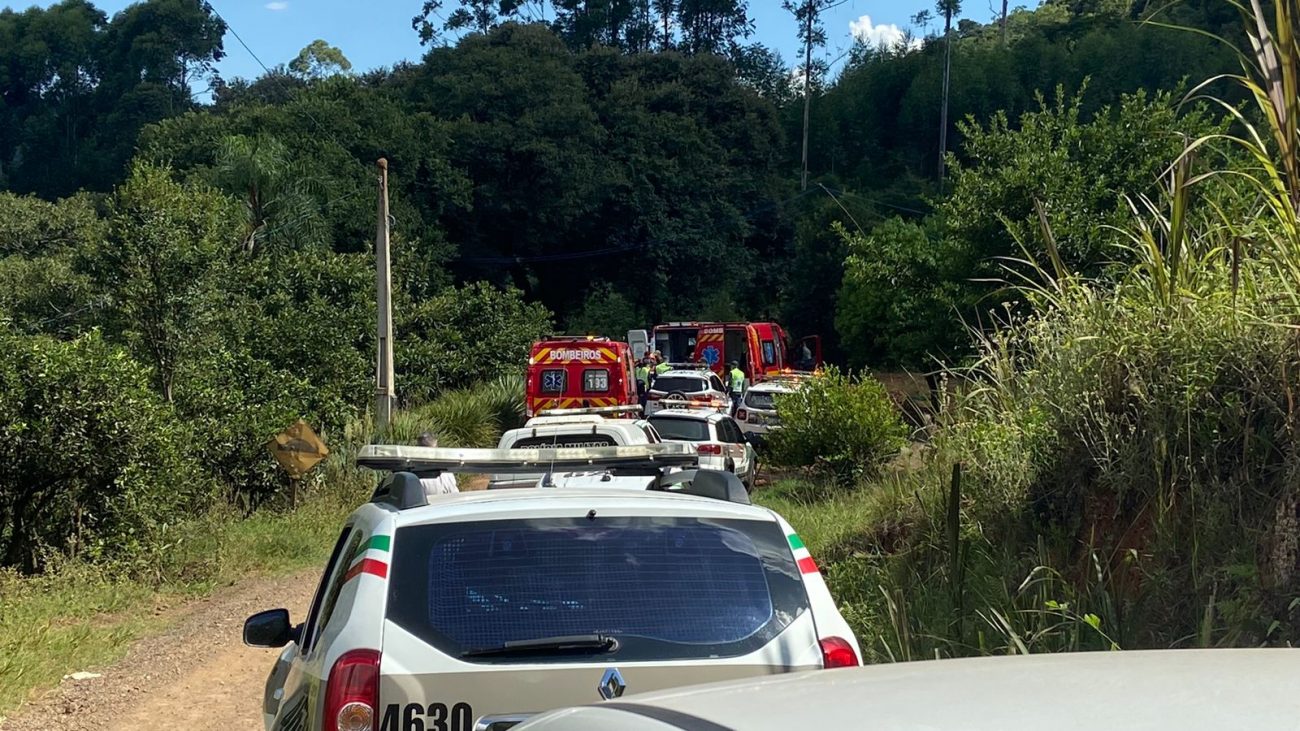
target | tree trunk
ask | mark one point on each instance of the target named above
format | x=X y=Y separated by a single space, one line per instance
x=1002 y=24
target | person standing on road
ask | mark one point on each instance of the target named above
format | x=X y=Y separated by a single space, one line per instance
x=643 y=380
x=444 y=484
x=736 y=382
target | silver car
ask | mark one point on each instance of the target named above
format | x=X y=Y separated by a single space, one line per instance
x=1165 y=690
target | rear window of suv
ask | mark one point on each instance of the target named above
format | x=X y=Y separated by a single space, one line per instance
x=666 y=587
x=679 y=384
x=765 y=400
x=676 y=427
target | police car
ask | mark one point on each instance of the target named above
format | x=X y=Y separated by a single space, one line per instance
x=717 y=439
x=478 y=610
x=581 y=427
x=687 y=387
x=756 y=413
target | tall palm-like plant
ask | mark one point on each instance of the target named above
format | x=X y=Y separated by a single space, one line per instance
x=1271 y=137
x=276 y=191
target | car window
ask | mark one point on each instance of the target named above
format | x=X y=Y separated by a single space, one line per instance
x=716 y=383
x=764 y=400
x=586 y=439
x=676 y=427
x=698 y=588
x=769 y=353
x=595 y=380
x=728 y=431
x=554 y=380
x=323 y=590
x=679 y=384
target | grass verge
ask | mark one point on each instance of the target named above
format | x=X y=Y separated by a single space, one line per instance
x=78 y=617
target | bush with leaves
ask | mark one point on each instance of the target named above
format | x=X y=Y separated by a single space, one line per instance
x=842 y=426
x=463 y=336
x=92 y=462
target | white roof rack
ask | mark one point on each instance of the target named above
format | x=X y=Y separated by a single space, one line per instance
x=649 y=459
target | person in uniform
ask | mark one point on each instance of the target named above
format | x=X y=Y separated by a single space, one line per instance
x=662 y=364
x=444 y=484
x=736 y=384
x=643 y=380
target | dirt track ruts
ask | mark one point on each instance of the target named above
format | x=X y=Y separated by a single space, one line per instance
x=197 y=675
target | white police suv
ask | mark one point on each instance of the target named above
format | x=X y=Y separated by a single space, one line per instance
x=478 y=610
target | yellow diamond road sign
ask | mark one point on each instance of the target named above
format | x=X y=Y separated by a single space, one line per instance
x=298 y=449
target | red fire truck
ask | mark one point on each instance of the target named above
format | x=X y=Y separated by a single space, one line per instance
x=761 y=348
x=580 y=372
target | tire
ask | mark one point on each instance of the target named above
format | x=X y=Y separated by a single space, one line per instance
x=731 y=465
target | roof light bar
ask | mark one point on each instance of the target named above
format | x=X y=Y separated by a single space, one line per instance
x=646 y=459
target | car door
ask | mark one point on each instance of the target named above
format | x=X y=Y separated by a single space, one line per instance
x=729 y=433
x=288 y=703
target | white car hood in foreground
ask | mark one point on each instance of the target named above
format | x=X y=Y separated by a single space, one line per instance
x=1168 y=690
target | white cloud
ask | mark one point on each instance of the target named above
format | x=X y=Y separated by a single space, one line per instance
x=885 y=35
x=277 y=6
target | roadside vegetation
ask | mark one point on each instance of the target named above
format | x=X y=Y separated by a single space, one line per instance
x=81 y=613
x=1116 y=466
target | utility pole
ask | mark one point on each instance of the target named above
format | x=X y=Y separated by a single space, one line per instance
x=385 y=394
x=947 y=70
x=1002 y=24
x=809 y=11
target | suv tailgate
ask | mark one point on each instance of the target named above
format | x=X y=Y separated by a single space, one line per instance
x=680 y=599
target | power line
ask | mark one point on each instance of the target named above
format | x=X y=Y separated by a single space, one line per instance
x=268 y=71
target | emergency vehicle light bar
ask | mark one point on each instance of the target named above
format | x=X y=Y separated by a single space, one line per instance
x=632 y=408
x=690 y=366
x=646 y=459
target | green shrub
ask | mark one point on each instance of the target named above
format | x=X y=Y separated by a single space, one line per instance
x=843 y=427
x=505 y=399
x=463 y=418
x=464 y=336
x=91 y=461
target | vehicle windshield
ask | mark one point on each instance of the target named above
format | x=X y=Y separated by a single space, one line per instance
x=681 y=428
x=679 y=384
x=666 y=587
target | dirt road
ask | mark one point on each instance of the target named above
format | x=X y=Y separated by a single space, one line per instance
x=197 y=676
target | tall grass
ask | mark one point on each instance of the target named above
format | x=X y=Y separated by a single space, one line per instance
x=1131 y=464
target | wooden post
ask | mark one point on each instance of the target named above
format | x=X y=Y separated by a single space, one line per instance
x=955 y=563
x=385 y=394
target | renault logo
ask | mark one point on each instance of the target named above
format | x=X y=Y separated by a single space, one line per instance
x=611 y=685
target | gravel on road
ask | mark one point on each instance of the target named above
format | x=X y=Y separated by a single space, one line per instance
x=196 y=676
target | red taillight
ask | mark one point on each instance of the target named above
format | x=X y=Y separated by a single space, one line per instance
x=741 y=414
x=838 y=653
x=709 y=449
x=352 y=692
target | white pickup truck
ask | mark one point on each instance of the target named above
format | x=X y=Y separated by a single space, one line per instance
x=570 y=430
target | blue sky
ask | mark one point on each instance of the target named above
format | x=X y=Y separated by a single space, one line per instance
x=375 y=33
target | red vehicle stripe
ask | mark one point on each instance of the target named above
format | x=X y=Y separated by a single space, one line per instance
x=367 y=566
x=807 y=565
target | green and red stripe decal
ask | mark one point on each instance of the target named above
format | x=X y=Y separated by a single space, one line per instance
x=801 y=556
x=363 y=564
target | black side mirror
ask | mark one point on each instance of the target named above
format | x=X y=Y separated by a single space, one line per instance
x=269 y=629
